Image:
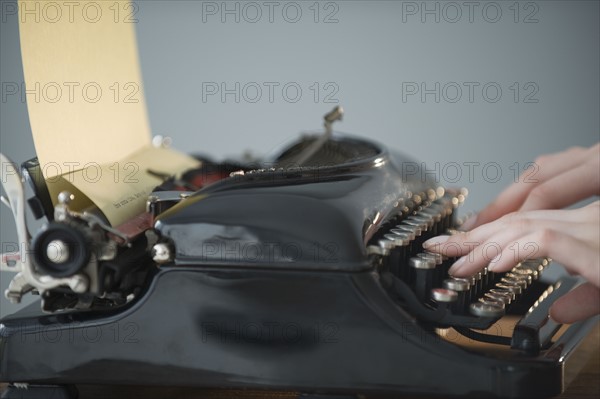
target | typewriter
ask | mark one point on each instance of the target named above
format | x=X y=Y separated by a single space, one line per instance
x=305 y=274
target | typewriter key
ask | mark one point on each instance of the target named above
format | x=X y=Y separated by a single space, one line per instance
x=438 y=275
x=437 y=218
x=419 y=263
x=398 y=240
x=404 y=230
x=376 y=250
x=473 y=291
x=486 y=309
x=500 y=291
x=485 y=276
x=491 y=301
x=514 y=281
x=398 y=256
x=437 y=258
x=443 y=295
x=457 y=284
x=425 y=220
x=516 y=289
x=399 y=229
x=533 y=265
x=527 y=272
x=524 y=277
x=479 y=282
x=421 y=225
x=386 y=246
x=461 y=287
x=504 y=296
x=423 y=273
x=432 y=212
x=413 y=226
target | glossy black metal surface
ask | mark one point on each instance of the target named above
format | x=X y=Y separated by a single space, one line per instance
x=313 y=217
x=325 y=331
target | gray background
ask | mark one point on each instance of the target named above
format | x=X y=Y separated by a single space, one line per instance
x=367 y=54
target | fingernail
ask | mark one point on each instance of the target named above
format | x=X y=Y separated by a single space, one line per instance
x=494 y=262
x=457 y=265
x=469 y=223
x=435 y=241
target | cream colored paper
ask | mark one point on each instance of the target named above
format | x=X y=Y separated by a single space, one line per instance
x=86 y=105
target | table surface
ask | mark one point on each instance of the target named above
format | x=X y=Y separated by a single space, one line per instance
x=583 y=381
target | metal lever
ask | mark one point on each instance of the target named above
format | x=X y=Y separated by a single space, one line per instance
x=535 y=330
x=335 y=114
x=13 y=186
x=27 y=278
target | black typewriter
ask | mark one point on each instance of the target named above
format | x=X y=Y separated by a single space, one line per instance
x=306 y=274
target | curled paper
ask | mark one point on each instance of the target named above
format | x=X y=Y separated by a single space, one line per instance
x=86 y=105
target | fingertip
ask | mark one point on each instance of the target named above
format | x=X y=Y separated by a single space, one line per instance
x=579 y=304
x=557 y=314
x=457 y=266
x=470 y=223
x=435 y=244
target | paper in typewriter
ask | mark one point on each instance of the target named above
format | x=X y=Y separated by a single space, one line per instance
x=86 y=105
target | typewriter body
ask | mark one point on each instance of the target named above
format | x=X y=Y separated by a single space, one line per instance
x=307 y=275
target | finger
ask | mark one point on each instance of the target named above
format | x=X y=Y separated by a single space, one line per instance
x=575 y=222
x=576 y=255
x=565 y=189
x=546 y=242
x=544 y=168
x=579 y=304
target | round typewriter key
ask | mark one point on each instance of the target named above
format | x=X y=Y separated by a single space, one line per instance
x=461 y=287
x=438 y=275
x=403 y=230
x=385 y=243
x=479 y=281
x=386 y=246
x=505 y=297
x=485 y=277
x=509 y=287
x=473 y=292
x=525 y=277
x=399 y=240
x=425 y=220
x=421 y=263
x=514 y=281
x=413 y=226
x=436 y=216
x=398 y=257
x=431 y=212
x=524 y=271
x=484 y=309
x=443 y=295
x=422 y=276
x=533 y=265
x=437 y=258
x=499 y=291
x=376 y=250
x=492 y=301
x=457 y=284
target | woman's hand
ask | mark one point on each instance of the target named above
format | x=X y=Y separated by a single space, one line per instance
x=552 y=182
x=522 y=223
x=571 y=237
